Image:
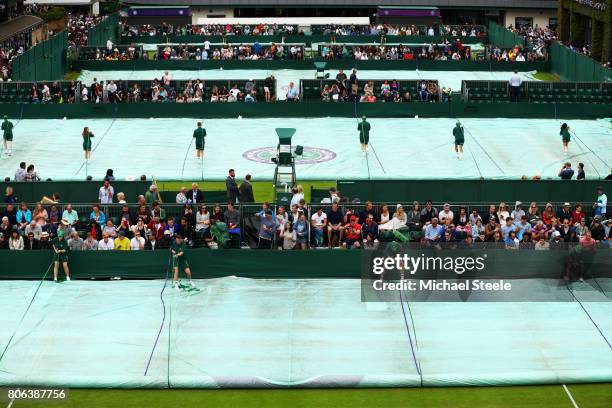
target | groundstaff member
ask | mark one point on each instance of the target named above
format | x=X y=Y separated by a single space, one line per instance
x=364 y=134
x=60 y=255
x=459 y=139
x=199 y=134
x=179 y=261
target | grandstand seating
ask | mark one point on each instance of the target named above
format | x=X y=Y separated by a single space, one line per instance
x=539 y=92
x=310 y=89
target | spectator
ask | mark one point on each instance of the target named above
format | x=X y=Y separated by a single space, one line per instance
x=566 y=172
x=353 y=231
x=20 y=174
x=75 y=243
x=246 y=190
x=231 y=186
x=105 y=194
x=565 y=213
x=16 y=241
x=106 y=243
x=33 y=228
x=446 y=213
x=9 y=197
x=301 y=228
x=542 y=244
x=30 y=243
x=195 y=195
x=151 y=243
x=386 y=223
x=334 y=226
x=514 y=83
x=202 y=226
x=232 y=218
x=70 y=215
x=121 y=242
x=289 y=237
x=319 y=223
x=434 y=231
x=3 y=242
x=581 y=175
x=428 y=213
x=369 y=231
x=578 y=214
x=90 y=244
x=601 y=203
x=518 y=212
x=292 y=93
x=597 y=229
x=400 y=219
x=267 y=231
x=181 y=197
x=23 y=216
x=151 y=195
x=138 y=242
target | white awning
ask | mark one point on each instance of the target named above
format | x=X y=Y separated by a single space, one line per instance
x=61 y=2
x=299 y=21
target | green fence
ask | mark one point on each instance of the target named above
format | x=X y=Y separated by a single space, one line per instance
x=108 y=29
x=505 y=38
x=45 y=61
x=307 y=39
x=571 y=66
x=390 y=191
x=522 y=110
x=86 y=192
x=382 y=65
x=493 y=191
x=265 y=264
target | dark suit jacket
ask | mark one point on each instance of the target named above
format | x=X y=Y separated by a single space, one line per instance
x=246 y=192
x=199 y=196
x=232 y=189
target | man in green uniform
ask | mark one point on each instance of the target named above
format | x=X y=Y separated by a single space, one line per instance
x=459 y=139
x=364 y=134
x=199 y=134
x=7 y=129
x=60 y=254
x=565 y=137
x=179 y=261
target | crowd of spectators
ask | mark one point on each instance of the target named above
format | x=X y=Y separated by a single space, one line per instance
x=446 y=51
x=167 y=90
x=53 y=93
x=112 y=224
x=394 y=29
x=209 y=29
x=112 y=53
x=256 y=51
x=516 y=54
x=540 y=37
x=78 y=25
x=349 y=89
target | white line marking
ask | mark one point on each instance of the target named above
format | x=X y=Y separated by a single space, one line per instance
x=569 y=394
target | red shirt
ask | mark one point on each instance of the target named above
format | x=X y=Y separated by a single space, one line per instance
x=577 y=216
x=353 y=232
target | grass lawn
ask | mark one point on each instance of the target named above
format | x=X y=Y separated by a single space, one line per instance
x=550 y=396
x=263 y=190
x=546 y=76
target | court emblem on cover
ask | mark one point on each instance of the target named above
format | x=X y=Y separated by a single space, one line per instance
x=311 y=155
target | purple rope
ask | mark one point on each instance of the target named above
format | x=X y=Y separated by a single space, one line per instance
x=161 y=296
x=416 y=363
x=590 y=318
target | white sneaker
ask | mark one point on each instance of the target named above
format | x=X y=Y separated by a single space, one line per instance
x=176 y=286
x=68 y=278
x=192 y=284
x=55 y=280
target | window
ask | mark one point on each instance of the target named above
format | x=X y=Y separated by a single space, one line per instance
x=523 y=21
